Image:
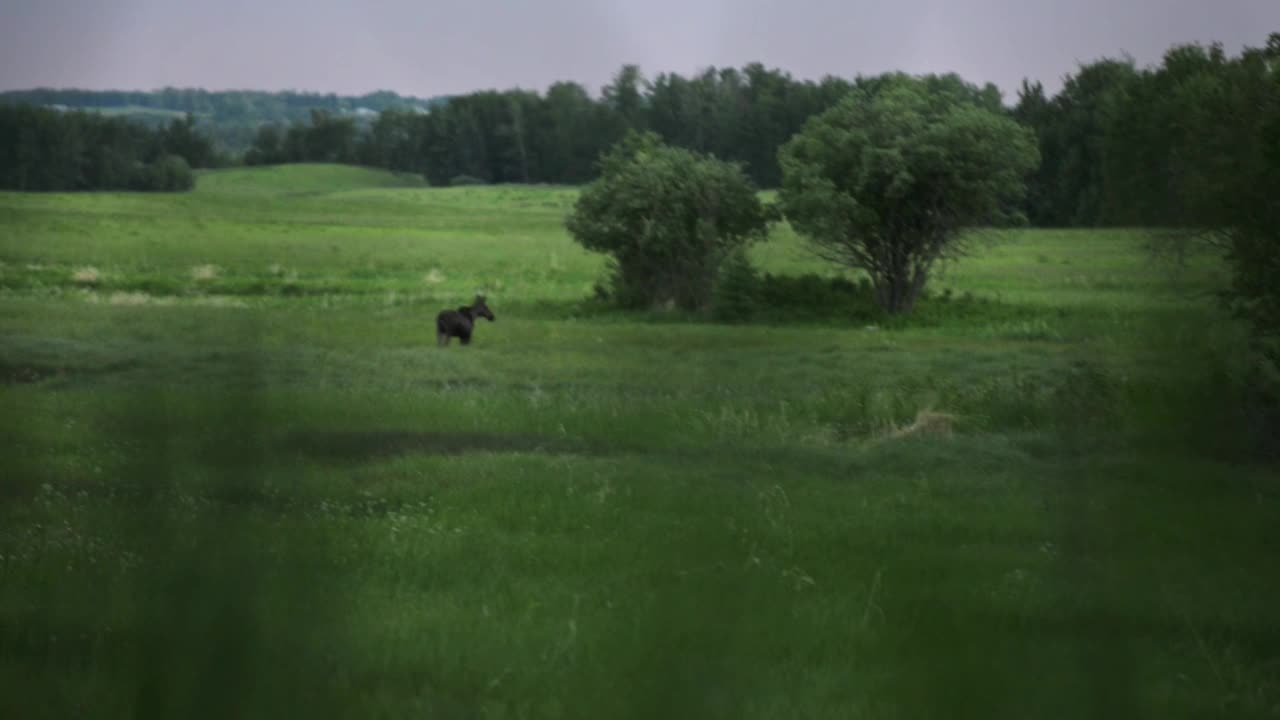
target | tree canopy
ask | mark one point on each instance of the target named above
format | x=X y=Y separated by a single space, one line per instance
x=1197 y=150
x=889 y=179
x=668 y=217
x=48 y=150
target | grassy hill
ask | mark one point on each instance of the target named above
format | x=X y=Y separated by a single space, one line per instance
x=239 y=476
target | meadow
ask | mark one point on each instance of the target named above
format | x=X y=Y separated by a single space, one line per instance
x=240 y=479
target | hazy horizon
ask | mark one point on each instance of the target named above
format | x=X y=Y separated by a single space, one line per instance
x=427 y=50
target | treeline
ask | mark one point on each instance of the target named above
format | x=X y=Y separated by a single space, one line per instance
x=1097 y=135
x=1125 y=146
x=1110 y=140
x=327 y=138
x=229 y=118
x=520 y=136
x=48 y=150
x=250 y=104
x=557 y=136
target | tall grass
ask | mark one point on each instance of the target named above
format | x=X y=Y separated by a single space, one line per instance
x=226 y=498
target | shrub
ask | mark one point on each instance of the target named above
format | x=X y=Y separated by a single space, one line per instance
x=169 y=173
x=668 y=218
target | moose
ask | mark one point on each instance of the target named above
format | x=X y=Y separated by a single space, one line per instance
x=461 y=323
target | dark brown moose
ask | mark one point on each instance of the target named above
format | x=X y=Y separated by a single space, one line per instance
x=461 y=323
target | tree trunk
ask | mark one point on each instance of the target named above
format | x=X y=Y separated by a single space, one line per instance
x=897 y=293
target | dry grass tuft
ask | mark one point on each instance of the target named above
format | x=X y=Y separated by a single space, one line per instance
x=86 y=276
x=928 y=423
x=140 y=299
x=204 y=273
x=435 y=277
x=131 y=299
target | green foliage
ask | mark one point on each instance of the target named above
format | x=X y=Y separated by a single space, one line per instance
x=743 y=294
x=887 y=181
x=1197 y=152
x=169 y=173
x=814 y=298
x=667 y=217
x=325 y=139
x=48 y=150
x=519 y=136
x=393 y=142
x=1067 y=190
x=182 y=139
x=1127 y=146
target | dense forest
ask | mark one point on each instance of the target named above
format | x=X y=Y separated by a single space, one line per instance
x=49 y=150
x=1119 y=144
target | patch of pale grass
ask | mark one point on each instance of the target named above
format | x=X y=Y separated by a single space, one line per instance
x=928 y=424
x=204 y=273
x=131 y=299
x=87 y=275
x=280 y=271
x=820 y=436
x=435 y=277
x=140 y=299
x=1036 y=329
x=220 y=301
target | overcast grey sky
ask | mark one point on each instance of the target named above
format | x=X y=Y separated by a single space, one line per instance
x=432 y=47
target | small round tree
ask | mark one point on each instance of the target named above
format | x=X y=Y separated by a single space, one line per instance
x=889 y=181
x=668 y=218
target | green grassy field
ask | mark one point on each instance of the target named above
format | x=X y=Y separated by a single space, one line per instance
x=240 y=480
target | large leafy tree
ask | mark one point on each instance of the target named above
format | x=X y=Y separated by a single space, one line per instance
x=889 y=180
x=1072 y=129
x=1197 y=154
x=668 y=217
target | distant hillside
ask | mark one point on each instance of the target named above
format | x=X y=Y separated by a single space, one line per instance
x=230 y=117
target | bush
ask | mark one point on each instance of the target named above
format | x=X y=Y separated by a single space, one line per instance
x=734 y=295
x=170 y=173
x=743 y=294
x=668 y=218
x=782 y=297
x=465 y=180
